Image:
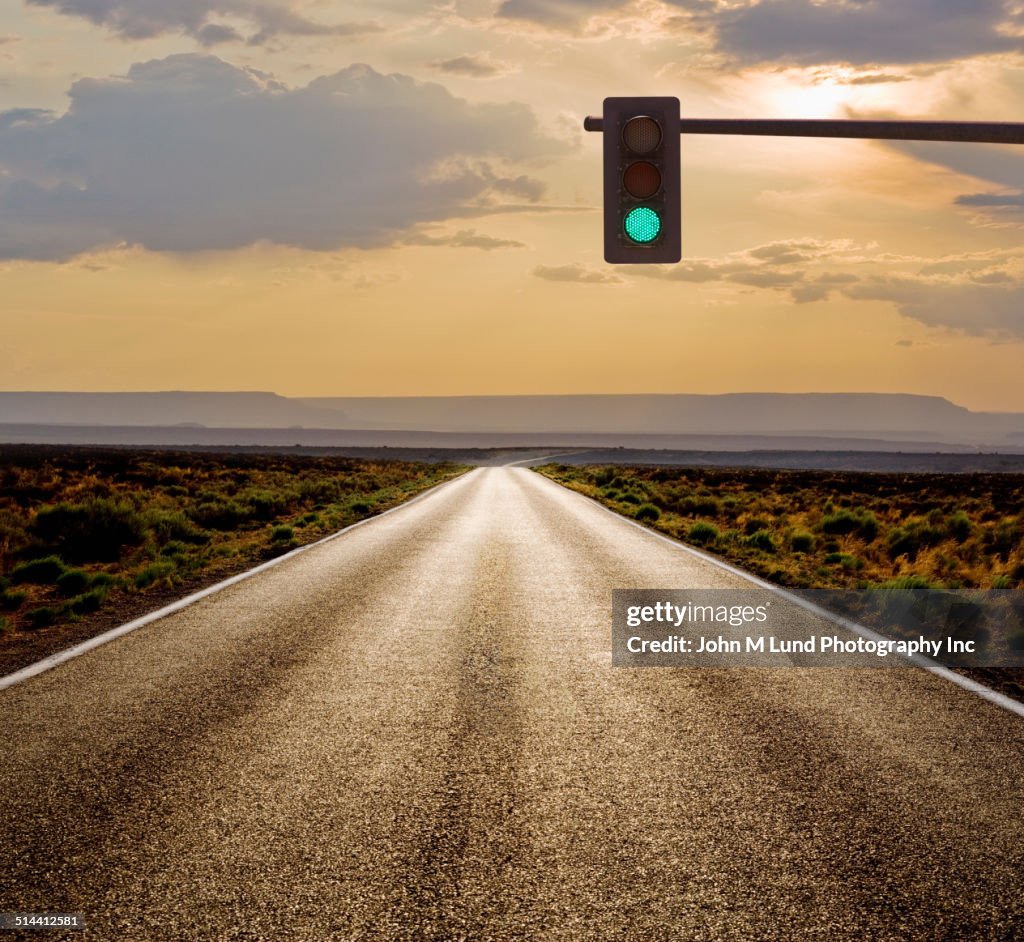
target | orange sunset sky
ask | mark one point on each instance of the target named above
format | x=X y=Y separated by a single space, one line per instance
x=398 y=198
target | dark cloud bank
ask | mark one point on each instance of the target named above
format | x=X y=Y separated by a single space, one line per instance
x=189 y=153
x=201 y=19
x=806 y=32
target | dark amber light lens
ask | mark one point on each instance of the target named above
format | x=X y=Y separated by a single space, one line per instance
x=642 y=180
x=641 y=134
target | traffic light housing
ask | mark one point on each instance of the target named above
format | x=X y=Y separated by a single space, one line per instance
x=641 y=181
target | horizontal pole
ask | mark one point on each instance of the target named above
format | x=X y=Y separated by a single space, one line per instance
x=978 y=132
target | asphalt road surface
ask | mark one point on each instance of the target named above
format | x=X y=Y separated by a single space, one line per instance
x=415 y=732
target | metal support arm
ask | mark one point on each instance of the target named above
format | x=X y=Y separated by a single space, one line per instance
x=980 y=132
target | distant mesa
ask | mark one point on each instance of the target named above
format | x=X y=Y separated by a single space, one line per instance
x=730 y=421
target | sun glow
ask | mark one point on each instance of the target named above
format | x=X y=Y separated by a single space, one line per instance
x=819 y=93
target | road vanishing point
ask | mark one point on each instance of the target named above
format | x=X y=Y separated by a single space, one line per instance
x=415 y=732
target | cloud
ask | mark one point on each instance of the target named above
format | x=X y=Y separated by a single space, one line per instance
x=820 y=287
x=991 y=199
x=876 y=78
x=575 y=272
x=521 y=186
x=561 y=14
x=805 y=32
x=189 y=153
x=995 y=206
x=978 y=293
x=996 y=164
x=145 y=19
x=766 y=279
x=695 y=270
x=809 y=32
x=471 y=66
x=788 y=253
x=978 y=309
x=463 y=239
x=213 y=34
x=757 y=266
x=23 y=116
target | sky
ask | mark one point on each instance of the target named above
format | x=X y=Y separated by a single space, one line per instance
x=398 y=198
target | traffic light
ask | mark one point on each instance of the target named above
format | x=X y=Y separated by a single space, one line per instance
x=641 y=180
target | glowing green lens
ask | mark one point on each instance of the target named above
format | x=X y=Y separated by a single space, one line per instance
x=642 y=224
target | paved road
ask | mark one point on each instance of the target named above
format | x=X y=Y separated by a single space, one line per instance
x=415 y=732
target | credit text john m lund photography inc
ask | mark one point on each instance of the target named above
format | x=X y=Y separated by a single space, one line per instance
x=512 y=470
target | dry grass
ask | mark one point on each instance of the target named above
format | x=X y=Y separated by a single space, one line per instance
x=81 y=528
x=825 y=529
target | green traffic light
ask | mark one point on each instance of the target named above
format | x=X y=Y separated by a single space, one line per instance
x=642 y=224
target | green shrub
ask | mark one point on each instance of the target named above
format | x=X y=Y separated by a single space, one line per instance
x=869 y=526
x=12 y=599
x=647 y=512
x=844 y=522
x=174 y=525
x=1002 y=582
x=631 y=498
x=42 y=617
x=846 y=560
x=802 y=542
x=840 y=523
x=5 y=625
x=906 y=583
x=927 y=534
x=761 y=540
x=360 y=507
x=282 y=534
x=154 y=572
x=220 y=514
x=703 y=533
x=96 y=530
x=959 y=526
x=73 y=582
x=45 y=571
x=903 y=542
x=698 y=506
x=88 y=602
x=322 y=491
x=754 y=524
x=265 y=505
x=1002 y=538
x=12 y=532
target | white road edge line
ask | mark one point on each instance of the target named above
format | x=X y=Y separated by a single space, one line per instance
x=62 y=657
x=973 y=686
